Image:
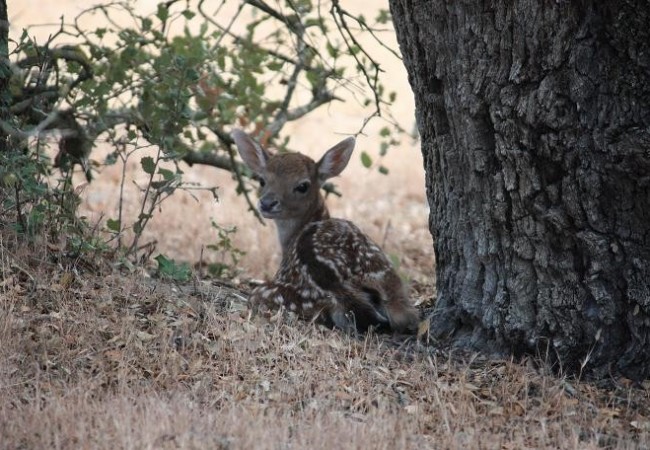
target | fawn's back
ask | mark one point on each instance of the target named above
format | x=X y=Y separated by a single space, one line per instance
x=330 y=270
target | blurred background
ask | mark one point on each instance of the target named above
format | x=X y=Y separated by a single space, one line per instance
x=390 y=208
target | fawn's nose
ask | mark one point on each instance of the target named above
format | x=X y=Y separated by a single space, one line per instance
x=268 y=204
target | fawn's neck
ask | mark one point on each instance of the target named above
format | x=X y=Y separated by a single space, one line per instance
x=289 y=229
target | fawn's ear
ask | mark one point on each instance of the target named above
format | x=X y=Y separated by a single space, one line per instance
x=335 y=159
x=252 y=153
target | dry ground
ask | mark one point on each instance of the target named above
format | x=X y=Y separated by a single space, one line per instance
x=120 y=361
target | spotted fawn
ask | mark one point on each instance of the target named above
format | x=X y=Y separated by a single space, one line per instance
x=331 y=272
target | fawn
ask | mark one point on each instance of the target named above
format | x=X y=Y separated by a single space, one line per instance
x=331 y=271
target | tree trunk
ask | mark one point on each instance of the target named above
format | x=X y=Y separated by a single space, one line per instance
x=535 y=125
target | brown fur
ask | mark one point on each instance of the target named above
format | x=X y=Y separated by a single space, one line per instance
x=331 y=271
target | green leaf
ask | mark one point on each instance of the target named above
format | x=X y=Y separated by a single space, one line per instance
x=158 y=185
x=168 y=268
x=383 y=170
x=383 y=17
x=275 y=65
x=111 y=158
x=366 y=160
x=313 y=77
x=113 y=225
x=189 y=14
x=333 y=51
x=163 y=12
x=146 y=24
x=166 y=174
x=221 y=60
x=312 y=22
x=148 y=165
x=384 y=132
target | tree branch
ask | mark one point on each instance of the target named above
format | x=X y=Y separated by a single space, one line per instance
x=339 y=15
x=227 y=142
x=209 y=159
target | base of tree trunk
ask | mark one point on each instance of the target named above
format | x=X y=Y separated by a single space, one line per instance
x=535 y=127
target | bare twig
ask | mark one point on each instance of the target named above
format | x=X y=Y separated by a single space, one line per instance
x=142 y=218
x=365 y=26
x=292 y=23
x=238 y=40
x=338 y=14
x=227 y=143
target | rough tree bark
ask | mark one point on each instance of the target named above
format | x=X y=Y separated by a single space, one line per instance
x=535 y=126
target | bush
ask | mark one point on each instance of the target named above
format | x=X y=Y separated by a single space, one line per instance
x=177 y=80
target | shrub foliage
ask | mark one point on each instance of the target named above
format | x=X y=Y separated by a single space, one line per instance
x=175 y=80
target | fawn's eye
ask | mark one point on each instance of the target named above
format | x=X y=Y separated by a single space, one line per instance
x=262 y=182
x=302 y=187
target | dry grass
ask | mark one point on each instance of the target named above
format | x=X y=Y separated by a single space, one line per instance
x=125 y=361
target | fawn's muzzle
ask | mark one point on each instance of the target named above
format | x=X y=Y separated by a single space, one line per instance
x=267 y=205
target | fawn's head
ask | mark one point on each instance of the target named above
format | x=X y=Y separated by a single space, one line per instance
x=291 y=182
